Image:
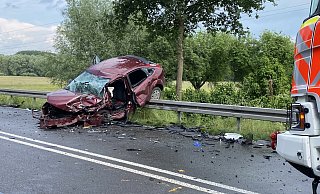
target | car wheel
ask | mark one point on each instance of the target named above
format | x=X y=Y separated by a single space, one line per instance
x=156 y=93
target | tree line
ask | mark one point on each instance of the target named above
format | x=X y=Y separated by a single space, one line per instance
x=25 y=63
x=220 y=50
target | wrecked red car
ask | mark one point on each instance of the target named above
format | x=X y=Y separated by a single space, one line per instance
x=106 y=91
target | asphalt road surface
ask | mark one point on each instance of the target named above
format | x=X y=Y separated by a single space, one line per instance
x=133 y=159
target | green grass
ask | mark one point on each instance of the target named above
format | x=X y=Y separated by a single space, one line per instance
x=27 y=83
x=212 y=124
x=22 y=102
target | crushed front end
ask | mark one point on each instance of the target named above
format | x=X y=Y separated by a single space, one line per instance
x=64 y=108
x=81 y=101
x=52 y=117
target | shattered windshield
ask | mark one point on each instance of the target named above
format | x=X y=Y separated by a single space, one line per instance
x=87 y=83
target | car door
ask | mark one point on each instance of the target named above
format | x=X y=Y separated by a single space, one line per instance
x=141 y=85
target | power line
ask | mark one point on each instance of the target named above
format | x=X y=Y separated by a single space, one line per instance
x=285 y=8
x=262 y=16
x=275 y=10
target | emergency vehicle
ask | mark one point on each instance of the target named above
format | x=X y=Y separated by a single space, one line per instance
x=300 y=144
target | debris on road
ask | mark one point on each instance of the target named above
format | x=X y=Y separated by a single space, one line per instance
x=267 y=157
x=263 y=143
x=134 y=150
x=175 y=189
x=202 y=138
x=232 y=136
x=197 y=144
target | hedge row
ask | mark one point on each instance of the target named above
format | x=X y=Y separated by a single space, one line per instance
x=229 y=93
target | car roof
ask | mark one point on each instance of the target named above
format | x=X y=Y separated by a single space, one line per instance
x=114 y=67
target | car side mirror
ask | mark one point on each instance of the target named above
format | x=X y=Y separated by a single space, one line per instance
x=69 y=81
x=95 y=60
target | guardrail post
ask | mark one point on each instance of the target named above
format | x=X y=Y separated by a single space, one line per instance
x=179 y=117
x=34 y=102
x=11 y=99
x=238 y=124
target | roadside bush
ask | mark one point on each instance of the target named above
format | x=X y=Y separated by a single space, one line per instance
x=229 y=93
x=192 y=95
x=169 y=93
x=221 y=93
x=280 y=101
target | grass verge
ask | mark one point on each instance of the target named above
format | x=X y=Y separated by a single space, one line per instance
x=21 y=102
x=213 y=124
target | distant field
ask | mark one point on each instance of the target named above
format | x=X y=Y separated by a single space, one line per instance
x=27 y=83
x=44 y=83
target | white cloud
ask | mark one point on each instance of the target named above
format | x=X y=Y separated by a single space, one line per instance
x=16 y=36
x=60 y=4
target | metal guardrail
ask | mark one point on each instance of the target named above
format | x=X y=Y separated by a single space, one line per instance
x=24 y=93
x=239 y=112
x=267 y=114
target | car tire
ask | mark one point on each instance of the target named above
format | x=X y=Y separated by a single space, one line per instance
x=156 y=93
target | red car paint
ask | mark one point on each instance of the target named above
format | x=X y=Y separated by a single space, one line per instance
x=105 y=91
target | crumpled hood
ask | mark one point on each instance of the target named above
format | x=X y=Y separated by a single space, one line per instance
x=72 y=102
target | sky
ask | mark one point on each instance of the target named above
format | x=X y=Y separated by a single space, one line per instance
x=31 y=24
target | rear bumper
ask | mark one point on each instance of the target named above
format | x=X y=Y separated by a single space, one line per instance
x=294 y=148
x=303 y=152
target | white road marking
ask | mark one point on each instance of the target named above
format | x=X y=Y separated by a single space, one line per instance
x=183 y=184
x=191 y=178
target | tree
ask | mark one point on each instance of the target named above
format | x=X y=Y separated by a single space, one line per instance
x=34 y=52
x=161 y=50
x=268 y=79
x=24 y=65
x=243 y=57
x=83 y=32
x=273 y=58
x=206 y=58
x=178 y=18
x=278 y=48
x=90 y=28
